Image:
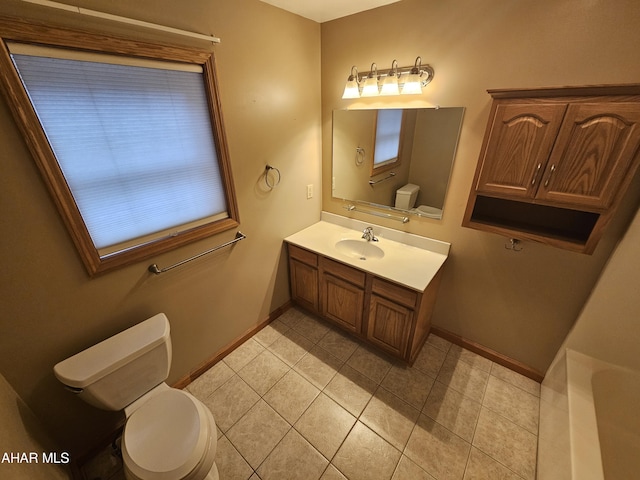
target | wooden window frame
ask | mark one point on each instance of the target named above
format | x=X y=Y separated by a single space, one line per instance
x=391 y=163
x=12 y=29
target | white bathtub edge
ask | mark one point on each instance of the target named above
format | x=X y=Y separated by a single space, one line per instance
x=586 y=459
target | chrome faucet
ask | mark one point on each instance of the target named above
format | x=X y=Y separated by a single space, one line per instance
x=368 y=235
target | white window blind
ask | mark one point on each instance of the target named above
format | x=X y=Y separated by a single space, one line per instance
x=134 y=142
x=388 y=128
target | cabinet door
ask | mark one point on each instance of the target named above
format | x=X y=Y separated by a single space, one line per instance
x=520 y=140
x=304 y=284
x=342 y=302
x=594 y=150
x=389 y=325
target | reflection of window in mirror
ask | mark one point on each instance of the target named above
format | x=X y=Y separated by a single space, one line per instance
x=386 y=153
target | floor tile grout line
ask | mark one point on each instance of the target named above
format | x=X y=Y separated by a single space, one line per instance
x=273 y=449
x=498 y=461
x=514 y=385
x=475 y=427
x=437 y=347
x=357 y=418
x=329 y=460
x=466 y=463
x=379 y=436
x=504 y=416
x=494 y=459
x=253 y=470
x=473 y=355
x=402 y=452
x=379 y=386
x=292 y=426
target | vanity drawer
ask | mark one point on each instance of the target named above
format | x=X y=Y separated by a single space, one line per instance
x=344 y=272
x=396 y=293
x=305 y=256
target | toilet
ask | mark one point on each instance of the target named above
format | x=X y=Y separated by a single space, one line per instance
x=406 y=196
x=428 y=211
x=168 y=434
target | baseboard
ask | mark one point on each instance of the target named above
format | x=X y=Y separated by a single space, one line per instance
x=492 y=355
x=216 y=357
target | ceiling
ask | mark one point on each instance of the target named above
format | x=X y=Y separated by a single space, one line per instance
x=325 y=10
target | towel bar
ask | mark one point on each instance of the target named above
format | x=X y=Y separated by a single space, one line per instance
x=157 y=270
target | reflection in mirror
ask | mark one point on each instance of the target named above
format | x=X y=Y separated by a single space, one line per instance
x=416 y=180
x=386 y=141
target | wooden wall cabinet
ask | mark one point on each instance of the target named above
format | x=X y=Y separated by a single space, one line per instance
x=555 y=163
x=387 y=315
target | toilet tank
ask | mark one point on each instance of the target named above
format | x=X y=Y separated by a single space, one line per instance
x=115 y=372
x=406 y=196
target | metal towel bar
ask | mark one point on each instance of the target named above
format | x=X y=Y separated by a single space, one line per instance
x=400 y=218
x=157 y=270
x=375 y=182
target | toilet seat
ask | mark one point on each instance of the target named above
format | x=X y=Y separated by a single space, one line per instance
x=168 y=437
x=428 y=211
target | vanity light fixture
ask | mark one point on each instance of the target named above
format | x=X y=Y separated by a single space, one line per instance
x=352 y=88
x=405 y=80
x=413 y=82
x=390 y=81
x=370 y=87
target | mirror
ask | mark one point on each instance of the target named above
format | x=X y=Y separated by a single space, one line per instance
x=423 y=142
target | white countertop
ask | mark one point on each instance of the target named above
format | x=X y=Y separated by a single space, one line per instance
x=409 y=265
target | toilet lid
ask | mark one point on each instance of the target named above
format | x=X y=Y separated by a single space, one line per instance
x=167 y=436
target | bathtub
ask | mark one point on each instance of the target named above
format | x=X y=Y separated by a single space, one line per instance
x=589 y=421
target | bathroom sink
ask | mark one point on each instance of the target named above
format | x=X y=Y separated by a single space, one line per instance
x=360 y=249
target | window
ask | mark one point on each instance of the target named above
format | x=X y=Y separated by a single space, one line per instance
x=132 y=145
x=386 y=153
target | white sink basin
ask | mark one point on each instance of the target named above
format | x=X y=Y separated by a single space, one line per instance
x=360 y=249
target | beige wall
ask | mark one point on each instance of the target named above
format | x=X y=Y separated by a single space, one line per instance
x=22 y=432
x=50 y=309
x=519 y=304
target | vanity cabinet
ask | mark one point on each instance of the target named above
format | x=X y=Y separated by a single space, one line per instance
x=555 y=163
x=384 y=314
x=391 y=313
x=303 y=273
x=342 y=294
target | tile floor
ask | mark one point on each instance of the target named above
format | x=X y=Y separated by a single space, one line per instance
x=301 y=400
